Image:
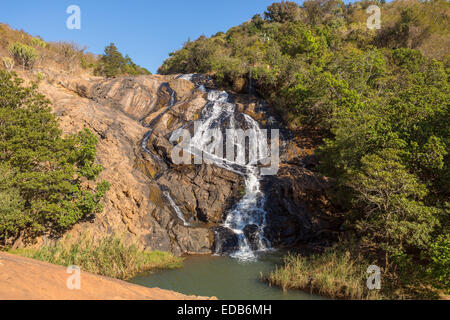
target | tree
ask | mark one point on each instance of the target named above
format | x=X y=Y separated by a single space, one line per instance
x=393 y=215
x=258 y=21
x=319 y=11
x=112 y=61
x=113 y=64
x=282 y=12
x=43 y=175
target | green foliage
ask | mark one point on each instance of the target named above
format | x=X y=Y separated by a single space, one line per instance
x=379 y=99
x=393 y=215
x=113 y=64
x=37 y=42
x=23 y=54
x=439 y=253
x=323 y=11
x=109 y=257
x=8 y=63
x=42 y=173
x=335 y=274
x=282 y=12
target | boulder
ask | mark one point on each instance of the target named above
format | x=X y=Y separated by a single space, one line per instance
x=225 y=240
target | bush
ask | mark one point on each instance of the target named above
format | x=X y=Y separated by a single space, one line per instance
x=8 y=63
x=393 y=216
x=23 y=54
x=282 y=12
x=439 y=253
x=36 y=42
x=110 y=257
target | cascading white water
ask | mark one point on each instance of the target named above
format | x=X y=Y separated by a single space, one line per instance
x=218 y=116
x=177 y=210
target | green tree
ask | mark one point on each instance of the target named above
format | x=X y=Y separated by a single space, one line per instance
x=282 y=12
x=113 y=63
x=44 y=175
x=439 y=253
x=393 y=215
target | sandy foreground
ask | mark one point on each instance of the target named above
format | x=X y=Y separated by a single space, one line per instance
x=27 y=279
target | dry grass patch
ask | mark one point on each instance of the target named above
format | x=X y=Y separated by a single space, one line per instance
x=110 y=257
x=333 y=274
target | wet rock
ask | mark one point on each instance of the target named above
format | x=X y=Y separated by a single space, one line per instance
x=225 y=240
x=251 y=232
x=119 y=111
x=205 y=191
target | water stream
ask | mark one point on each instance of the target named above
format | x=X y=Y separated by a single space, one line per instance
x=177 y=209
x=225 y=278
x=219 y=118
x=238 y=276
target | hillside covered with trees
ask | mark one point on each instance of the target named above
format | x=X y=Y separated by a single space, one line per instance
x=379 y=100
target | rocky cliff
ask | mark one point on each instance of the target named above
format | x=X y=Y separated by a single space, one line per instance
x=162 y=206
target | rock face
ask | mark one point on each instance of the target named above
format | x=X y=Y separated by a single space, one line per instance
x=298 y=211
x=122 y=112
x=225 y=241
x=250 y=232
x=178 y=208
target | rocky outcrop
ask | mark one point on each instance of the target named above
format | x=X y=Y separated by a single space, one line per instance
x=225 y=240
x=298 y=211
x=180 y=208
x=26 y=279
x=122 y=112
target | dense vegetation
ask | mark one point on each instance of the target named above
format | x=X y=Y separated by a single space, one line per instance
x=113 y=64
x=110 y=257
x=46 y=180
x=334 y=274
x=380 y=100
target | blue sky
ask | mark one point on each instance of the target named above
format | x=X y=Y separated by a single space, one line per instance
x=147 y=30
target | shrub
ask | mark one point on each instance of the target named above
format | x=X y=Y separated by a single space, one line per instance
x=40 y=76
x=23 y=54
x=69 y=54
x=439 y=253
x=8 y=63
x=36 y=42
x=282 y=12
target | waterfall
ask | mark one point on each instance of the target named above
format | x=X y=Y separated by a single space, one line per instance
x=218 y=116
x=177 y=209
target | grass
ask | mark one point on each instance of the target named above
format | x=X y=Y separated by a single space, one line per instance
x=334 y=274
x=110 y=257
